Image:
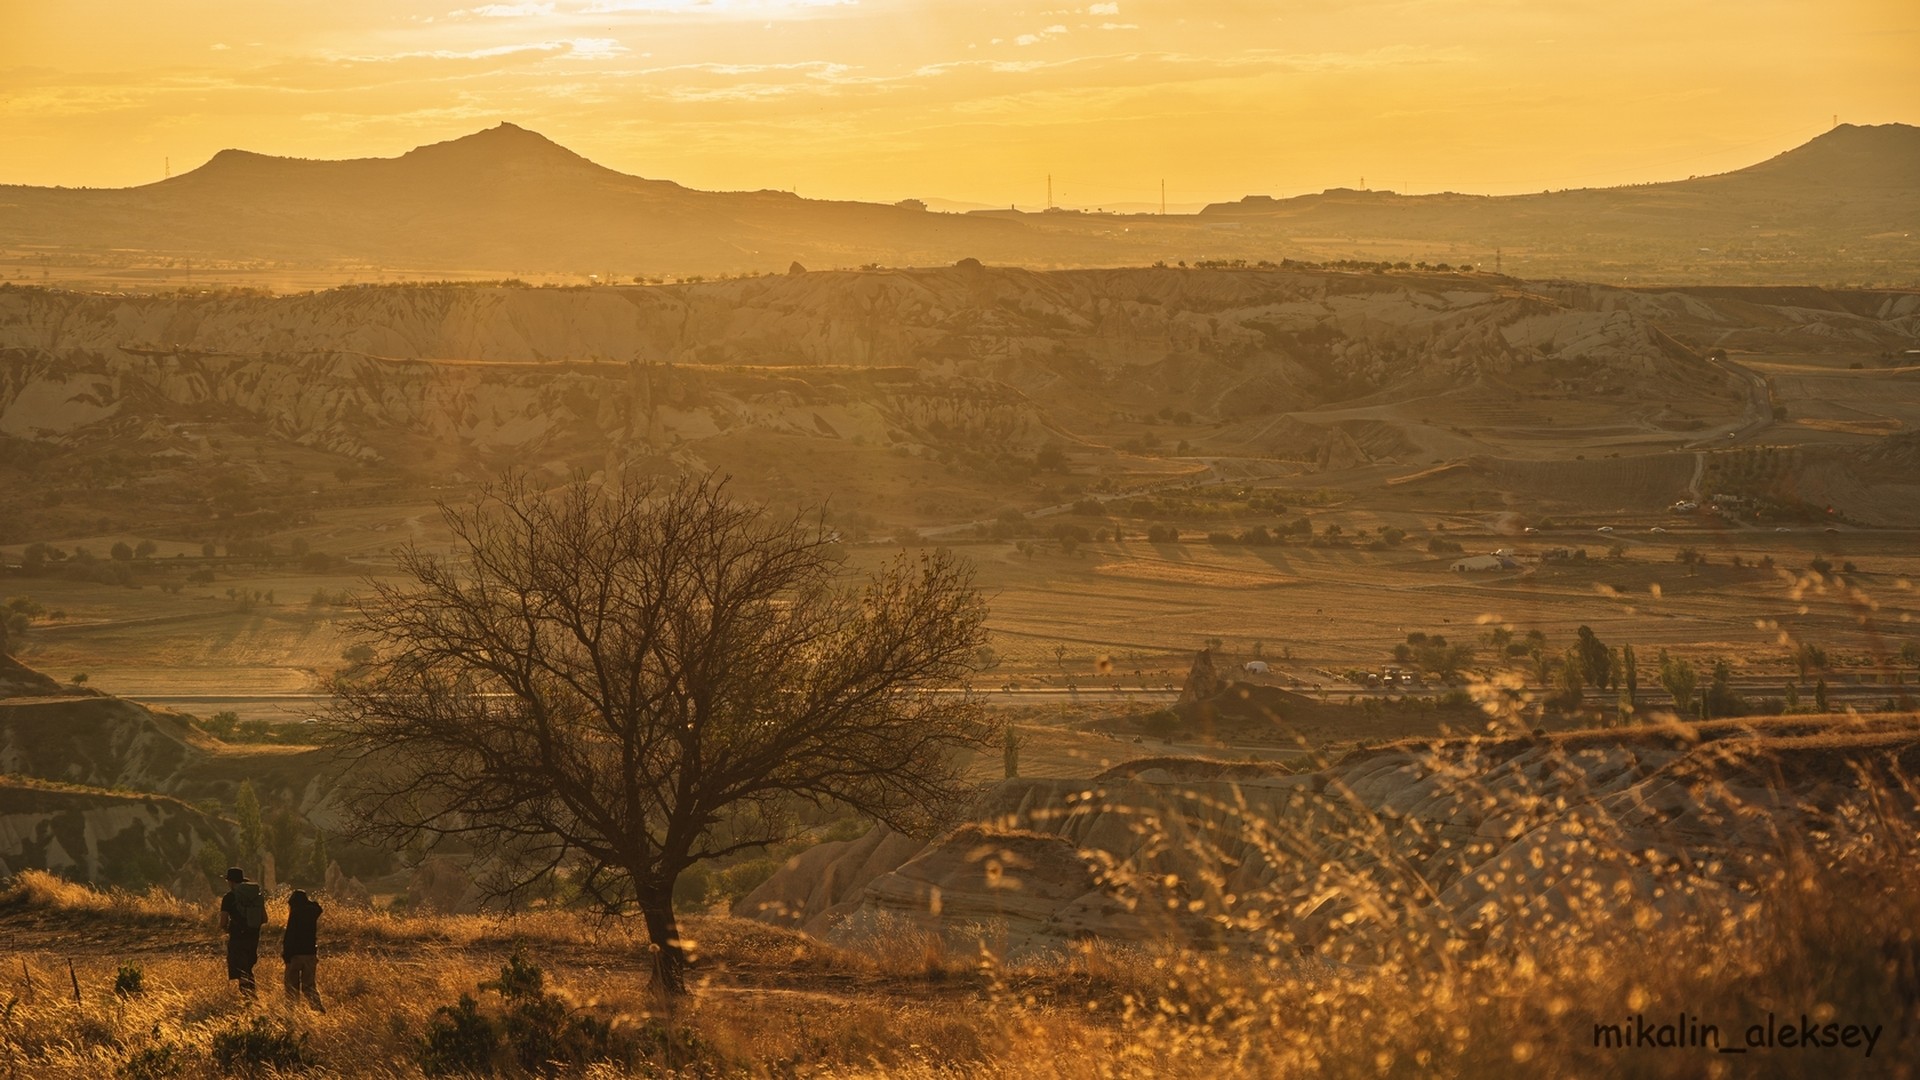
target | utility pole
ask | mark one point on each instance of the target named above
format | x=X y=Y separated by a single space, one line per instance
x=169 y=167
x=1163 y=198
x=1049 y=191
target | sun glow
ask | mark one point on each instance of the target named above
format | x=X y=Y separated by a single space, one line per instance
x=976 y=102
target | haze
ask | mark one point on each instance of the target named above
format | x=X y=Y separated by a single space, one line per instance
x=976 y=101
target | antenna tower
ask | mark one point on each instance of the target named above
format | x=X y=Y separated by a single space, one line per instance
x=1049 y=191
x=1163 y=198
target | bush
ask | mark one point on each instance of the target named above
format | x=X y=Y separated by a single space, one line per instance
x=160 y=1061
x=459 y=1041
x=259 y=1045
x=1162 y=724
x=537 y=1029
x=129 y=980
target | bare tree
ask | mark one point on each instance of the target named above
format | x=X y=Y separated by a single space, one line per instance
x=618 y=682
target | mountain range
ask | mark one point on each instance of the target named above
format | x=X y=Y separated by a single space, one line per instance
x=505 y=201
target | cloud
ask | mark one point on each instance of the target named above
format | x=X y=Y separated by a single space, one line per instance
x=754 y=9
x=1103 y=9
x=569 y=48
x=593 y=48
x=503 y=11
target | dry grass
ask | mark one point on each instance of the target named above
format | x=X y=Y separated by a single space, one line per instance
x=1826 y=924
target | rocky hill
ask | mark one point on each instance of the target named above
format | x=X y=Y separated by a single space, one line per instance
x=908 y=358
x=915 y=380
x=104 y=790
x=84 y=779
x=98 y=741
x=1489 y=835
x=128 y=839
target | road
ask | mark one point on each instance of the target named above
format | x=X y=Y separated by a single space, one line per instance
x=1759 y=406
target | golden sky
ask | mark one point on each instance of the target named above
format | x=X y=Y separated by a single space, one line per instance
x=973 y=100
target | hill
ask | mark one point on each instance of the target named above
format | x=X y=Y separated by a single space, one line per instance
x=100 y=789
x=924 y=397
x=1784 y=217
x=509 y=201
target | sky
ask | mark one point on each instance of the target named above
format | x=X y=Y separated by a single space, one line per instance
x=970 y=100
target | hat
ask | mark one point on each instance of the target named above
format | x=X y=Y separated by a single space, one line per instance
x=236 y=874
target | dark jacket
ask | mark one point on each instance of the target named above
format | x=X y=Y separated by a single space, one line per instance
x=303 y=926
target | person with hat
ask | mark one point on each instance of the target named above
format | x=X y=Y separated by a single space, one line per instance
x=243 y=912
x=299 y=948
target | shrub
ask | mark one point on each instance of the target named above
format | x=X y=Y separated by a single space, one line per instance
x=536 y=1028
x=129 y=980
x=459 y=1041
x=159 y=1061
x=258 y=1045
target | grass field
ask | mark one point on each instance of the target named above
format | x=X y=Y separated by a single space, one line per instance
x=1822 y=938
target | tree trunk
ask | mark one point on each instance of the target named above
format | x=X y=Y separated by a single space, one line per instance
x=669 y=958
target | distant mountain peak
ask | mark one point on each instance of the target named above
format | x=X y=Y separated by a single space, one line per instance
x=501 y=143
x=1875 y=155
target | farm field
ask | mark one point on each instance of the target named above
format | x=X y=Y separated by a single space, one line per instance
x=1129 y=616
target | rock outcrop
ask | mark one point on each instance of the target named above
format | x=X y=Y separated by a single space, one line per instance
x=105 y=837
x=441 y=884
x=96 y=740
x=898 y=358
x=1203 y=679
x=109 y=791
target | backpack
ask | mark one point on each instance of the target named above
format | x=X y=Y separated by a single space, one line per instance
x=249 y=906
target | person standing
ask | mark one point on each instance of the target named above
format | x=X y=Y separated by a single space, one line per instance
x=299 y=948
x=243 y=912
